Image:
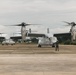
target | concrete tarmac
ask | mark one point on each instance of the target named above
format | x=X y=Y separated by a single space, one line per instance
x=28 y=59
x=37 y=64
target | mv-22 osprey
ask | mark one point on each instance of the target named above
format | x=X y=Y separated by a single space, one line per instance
x=44 y=39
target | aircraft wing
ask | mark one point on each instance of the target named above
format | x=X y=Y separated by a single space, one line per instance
x=2 y=37
x=15 y=37
x=63 y=36
x=28 y=35
x=35 y=35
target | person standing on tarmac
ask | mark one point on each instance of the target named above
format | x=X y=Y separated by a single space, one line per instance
x=57 y=46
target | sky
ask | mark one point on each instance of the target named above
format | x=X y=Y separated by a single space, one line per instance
x=48 y=13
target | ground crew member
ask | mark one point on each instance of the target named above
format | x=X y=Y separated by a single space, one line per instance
x=57 y=46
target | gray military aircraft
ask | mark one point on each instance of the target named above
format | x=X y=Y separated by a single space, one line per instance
x=23 y=29
x=71 y=34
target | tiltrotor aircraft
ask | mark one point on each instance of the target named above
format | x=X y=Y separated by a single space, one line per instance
x=72 y=30
x=23 y=29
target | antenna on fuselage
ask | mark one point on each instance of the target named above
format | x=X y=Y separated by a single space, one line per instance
x=48 y=30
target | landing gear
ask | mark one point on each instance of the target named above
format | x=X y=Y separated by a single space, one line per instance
x=39 y=45
x=53 y=45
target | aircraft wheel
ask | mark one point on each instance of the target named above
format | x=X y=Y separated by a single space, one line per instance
x=39 y=45
x=53 y=45
x=2 y=44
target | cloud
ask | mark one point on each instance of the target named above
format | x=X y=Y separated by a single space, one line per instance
x=49 y=13
x=36 y=5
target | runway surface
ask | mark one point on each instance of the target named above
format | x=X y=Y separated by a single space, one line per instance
x=37 y=63
x=31 y=60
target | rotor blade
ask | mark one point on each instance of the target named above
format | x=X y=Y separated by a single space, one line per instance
x=33 y=24
x=22 y=24
x=13 y=25
x=27 y=24
x=67 y=25
x=67 y=22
